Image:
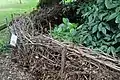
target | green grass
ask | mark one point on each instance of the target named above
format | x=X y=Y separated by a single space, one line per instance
x=5 y=38
x=8 y=7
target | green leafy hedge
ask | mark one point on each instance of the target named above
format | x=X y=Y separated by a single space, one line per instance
x=102 y=23
x=100 y=29
x=66 y=31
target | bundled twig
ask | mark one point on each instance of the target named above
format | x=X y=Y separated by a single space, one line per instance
x=45 y=16
x=49 y=59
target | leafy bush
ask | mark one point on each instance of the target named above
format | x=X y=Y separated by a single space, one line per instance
x=102 y=25
x=100 y=29
x=66 y=31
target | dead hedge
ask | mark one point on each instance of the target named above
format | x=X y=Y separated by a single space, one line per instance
x=48 y=59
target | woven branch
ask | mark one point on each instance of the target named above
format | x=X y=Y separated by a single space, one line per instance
x=49 y=59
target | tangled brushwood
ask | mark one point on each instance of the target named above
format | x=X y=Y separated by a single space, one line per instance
x=48 y=59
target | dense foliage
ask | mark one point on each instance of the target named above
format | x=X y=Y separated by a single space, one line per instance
x=66 y=31
x=100 y=29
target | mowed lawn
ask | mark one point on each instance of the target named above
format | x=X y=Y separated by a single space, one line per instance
x=8 y=7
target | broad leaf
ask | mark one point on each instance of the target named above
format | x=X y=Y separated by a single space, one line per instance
x=99 y=1
x=100 y=27
x=112 y=50
x=114 y=42
x=90 y=18
x=70 y=25
x=105 y=18
x=119 y=25
x=80 y=26
x=106 y=43
x=96 y=11
x=102 y=15
x=118 y=49
x=94 y=38
x=87 y=13
x=93 y=43
x=103 y=47
x=104 y=30
x=84 y=38
x=55 y=29
x=117 y=20
x=95 y=7
x=98 y=35
x=94 y=29
x=107 y=38
x=73 y=31
x=90 y=38
x=117 y=9
x=59 y=29
x=112 y=16
x=113 y=36
x=65 y=20
x=106 y=25
x=84 y=32
x=118 y=35
x=61 y=25
x=109 y=50
x=110 y=5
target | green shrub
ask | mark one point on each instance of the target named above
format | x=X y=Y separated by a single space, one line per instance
x=102 y=25
x=100 y=28
x=66 y=31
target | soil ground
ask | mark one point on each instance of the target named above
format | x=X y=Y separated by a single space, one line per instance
x=9 y=71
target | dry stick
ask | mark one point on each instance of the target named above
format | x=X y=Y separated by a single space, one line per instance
x=116 y=68
x=103 y=56
x=55 y=41
x=101 y=52
x=41 y=27
x=25 y=36
x=50 y=54
x=18 y=34
x=7 y=22
x=47 y=58
x=92 y=64
x=22 y=33
x=63 y=61
x=85 y=77
x=32 y=25
x=78 y=72
x=50 y=29
x=40 y=44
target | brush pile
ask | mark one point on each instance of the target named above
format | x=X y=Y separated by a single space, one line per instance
x=48 y=59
